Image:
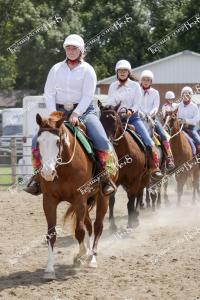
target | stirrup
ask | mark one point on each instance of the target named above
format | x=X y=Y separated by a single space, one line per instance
x=156 y=174
x=33 y=187
x=108 y=187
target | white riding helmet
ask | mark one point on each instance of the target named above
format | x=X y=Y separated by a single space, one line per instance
x=123 y=64
x=147 y=73
x=74 y=40
x=186 y=89
x=169 y=95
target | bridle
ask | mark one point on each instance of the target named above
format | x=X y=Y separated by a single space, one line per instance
x=57 y=132
x=116 y=139
x=166 y=125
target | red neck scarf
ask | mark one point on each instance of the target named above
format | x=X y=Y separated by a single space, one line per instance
x=186 y=102
x=146 y=90
x=72 y=62
x=121 y=82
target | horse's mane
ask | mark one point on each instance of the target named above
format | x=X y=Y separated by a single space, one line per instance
x=56 y=115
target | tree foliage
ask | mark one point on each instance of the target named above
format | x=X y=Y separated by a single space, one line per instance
x=112 y=30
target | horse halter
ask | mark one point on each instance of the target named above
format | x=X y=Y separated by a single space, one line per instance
x=57 y=132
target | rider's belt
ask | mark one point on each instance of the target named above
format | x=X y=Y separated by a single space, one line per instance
x=66 y=106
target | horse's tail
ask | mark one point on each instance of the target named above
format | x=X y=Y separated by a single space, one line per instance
x=71 y=213
x=91 y=202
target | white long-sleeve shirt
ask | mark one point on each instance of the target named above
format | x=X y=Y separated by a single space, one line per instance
x=70 y=86
x=128 y=94
x=150 y=101
x=190 y=113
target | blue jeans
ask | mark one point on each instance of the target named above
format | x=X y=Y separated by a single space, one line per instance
x=95 y=130
x=159 y=129
x=141 y=129
x=194 y=134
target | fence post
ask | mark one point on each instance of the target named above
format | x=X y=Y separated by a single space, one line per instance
x=13 y=158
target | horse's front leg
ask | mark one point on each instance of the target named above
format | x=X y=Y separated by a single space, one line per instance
x=113 y=226
x=50 y=206
x=133 y=214
x=101 y=209
x=166 y=198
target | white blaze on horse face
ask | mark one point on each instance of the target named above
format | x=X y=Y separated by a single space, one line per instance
x=49 y=149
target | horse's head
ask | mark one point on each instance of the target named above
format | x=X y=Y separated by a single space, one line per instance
x=171 y=121
x=49 y=142
x=110 y=120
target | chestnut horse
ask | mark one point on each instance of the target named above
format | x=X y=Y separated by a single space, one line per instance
x=134 y=176
x=66 y=168
x=182 y=153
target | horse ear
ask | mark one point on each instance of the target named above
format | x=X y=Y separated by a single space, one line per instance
x=117 y=106
x=39 y=120
x=99 y=104
x=59 y=122
x=175 y=111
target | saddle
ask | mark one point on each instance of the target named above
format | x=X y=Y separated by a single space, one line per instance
x=84 y=141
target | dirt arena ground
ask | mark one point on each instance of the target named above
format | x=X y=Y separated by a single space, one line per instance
x=159 y=260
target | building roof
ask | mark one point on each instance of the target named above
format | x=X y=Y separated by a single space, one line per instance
x=182 y=67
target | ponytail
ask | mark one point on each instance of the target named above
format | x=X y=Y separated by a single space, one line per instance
x=133 y=77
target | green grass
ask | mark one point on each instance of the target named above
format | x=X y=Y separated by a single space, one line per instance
x=5 y=175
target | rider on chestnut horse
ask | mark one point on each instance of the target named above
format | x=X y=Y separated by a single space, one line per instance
x=169 y=105
x=189 y=113
x=150 y=105
x=70 y=88
x=127 y=92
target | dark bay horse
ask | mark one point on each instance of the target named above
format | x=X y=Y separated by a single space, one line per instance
x=182 y=153
x=65 y=173
x=133 y=177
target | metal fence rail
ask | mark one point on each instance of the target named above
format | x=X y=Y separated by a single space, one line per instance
x=10 y=157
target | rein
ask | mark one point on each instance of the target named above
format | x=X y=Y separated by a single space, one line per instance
x=59 y=159
x=177 y=132
x=121 y=136
x=167 y=120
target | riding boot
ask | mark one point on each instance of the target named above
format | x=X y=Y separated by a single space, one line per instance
x=154 y=163
x=33 y=186
x=169 y=155
x=107 y=168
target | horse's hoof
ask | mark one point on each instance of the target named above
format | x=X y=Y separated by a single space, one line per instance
x=77 y=262
x=49 y=275
x=113 y=227
x=92 y=264
x=130 y=225
x=142 y=206
x=153 y=208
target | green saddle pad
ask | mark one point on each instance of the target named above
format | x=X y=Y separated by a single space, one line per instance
x=81 y=138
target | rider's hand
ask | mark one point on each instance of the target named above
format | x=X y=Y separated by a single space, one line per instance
x=182 y=121
x=74 y=119
x=129 y=113
x=142 y=115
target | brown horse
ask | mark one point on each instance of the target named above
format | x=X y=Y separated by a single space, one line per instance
x=182 y=153
x=132 y=176
x=66 y=168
